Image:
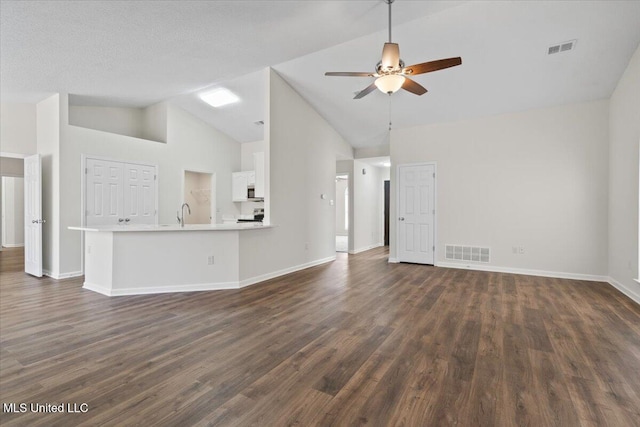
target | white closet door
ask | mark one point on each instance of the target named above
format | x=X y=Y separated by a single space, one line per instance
x=416 y=213
x=139 y=194
x=104 y=192
x=33 y=220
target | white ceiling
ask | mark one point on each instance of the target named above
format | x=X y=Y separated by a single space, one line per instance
x=138 y=53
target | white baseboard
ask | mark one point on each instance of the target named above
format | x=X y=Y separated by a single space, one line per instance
x=393 y=260
x=13 y=245
x=59 y=276
x=202 y=286
x=272 y=275
x=366 y=248
x=160 y=289
x=625 y=290
x=542 y=273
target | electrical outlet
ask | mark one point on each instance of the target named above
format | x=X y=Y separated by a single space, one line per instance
x=306 y=246
x=89 y=249
x=210 y=260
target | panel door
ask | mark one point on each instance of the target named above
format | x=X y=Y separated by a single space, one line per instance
x=104 y=192
x=33 y=220
x=139 y=194
x=416 y=213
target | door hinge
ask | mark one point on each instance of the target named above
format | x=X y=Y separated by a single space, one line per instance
x=434 y=249
x=434 y=211
x=434 y=174
x=86 y=171
x=155 y=177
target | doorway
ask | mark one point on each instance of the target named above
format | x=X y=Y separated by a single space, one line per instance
x=199 y=194
x=342 y=213
x=387 y=207
x=12 y=211
x=416 y=213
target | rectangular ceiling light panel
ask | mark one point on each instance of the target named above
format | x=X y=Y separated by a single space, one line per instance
x=219 y=97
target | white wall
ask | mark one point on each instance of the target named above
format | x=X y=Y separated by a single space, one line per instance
x=300 y=155
x=246 y=154
x=120 y=120
x=537 y=179
x=191 y=145
x=146 y=123
x=18 y=128
x=12 y=211
x=368 y=191
x=624 y=138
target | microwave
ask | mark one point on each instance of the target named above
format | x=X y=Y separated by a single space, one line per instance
x=251 y=195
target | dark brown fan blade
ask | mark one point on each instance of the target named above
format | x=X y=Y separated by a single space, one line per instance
x=348 y=74
x=413 y=87
x=366 y=91
x=427 y=67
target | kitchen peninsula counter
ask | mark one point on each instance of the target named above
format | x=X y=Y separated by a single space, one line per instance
x=143 y=259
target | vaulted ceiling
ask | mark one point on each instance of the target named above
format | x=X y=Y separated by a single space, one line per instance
x=138 y=53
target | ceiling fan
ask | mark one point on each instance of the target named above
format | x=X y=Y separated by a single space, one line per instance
x=391 y=74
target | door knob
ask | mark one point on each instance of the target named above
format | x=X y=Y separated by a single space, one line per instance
x=35 y=221
x=401 y=218
x=120 y=219
x=127 y=220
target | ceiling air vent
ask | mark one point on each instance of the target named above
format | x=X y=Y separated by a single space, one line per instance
x=561 y=47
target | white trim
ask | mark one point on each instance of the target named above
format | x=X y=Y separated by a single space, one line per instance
x=366 y=248
x=393 y=260
x=272 y=275
x=625 y=290
x=435 y=204
x=59 y=276
x=13 y=155
x=13 y=245
x=160 y=289
x=542 y=273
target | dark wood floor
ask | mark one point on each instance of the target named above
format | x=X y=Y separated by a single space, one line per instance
x=354 y=342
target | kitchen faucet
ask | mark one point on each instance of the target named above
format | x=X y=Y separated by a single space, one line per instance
x=181 y=218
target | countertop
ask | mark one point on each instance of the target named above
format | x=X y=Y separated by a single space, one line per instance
x=173 y=227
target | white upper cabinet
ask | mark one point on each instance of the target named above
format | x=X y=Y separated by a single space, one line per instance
x=258 y=162
x=239 y=185
x=242 y=181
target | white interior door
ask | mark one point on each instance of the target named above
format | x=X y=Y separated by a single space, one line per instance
x=416 y=213
x=33 y=220
x=104 y=192
x=139 y=194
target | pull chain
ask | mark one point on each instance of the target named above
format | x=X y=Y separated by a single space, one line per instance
x=389 y=112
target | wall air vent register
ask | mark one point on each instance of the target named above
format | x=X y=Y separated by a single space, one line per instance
x=467 y=253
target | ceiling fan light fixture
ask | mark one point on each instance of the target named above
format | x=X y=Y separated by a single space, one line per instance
x=390 y=83
x=390 y=56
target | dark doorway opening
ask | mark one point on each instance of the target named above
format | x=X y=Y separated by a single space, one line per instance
x=387 y=187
